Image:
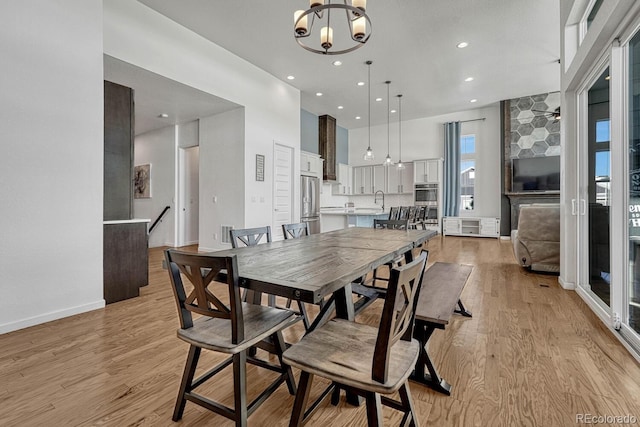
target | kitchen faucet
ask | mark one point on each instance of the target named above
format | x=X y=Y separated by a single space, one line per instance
x=375 y=198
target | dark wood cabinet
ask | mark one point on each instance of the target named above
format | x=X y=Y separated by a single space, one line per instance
x=118 y=152
x=126 y=260
x=327 y=141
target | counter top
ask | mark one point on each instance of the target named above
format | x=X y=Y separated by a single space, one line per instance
x=356 y=212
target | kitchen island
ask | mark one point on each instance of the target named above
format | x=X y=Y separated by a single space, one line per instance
x=340 y=218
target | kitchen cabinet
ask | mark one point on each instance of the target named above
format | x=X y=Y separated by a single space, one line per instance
x=379 y=178
x=369 y=179
x=400 y=181
x=310 y=164
x=345 y=181
x=474 y=227
x=362 y=180
x=427 y=171
x=327 y=142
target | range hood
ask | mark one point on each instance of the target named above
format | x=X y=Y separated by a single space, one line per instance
x=327 y=142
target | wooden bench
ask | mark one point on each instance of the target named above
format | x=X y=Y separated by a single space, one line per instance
x=442 y=285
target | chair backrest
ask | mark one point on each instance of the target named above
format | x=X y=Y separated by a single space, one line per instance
x=422 y=213
x=249 y=236
x=394 y=212
x=404 y=212
x=413 y=211
x=293 y=231
x=393 y=224
x=398 y=314
x=201 y=270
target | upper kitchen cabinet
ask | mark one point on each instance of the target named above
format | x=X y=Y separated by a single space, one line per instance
x=345 y=181
x=327 y=141
x=400 y=181
x=310 y=164
x=426 y=171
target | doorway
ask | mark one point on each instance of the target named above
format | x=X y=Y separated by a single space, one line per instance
x=188 y=196
x=282 y=188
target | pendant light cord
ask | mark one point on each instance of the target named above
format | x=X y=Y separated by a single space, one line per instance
x=400 y=126
x=369 y=100
x=388 y=82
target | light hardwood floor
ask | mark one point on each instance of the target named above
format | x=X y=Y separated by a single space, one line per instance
x=532 y=355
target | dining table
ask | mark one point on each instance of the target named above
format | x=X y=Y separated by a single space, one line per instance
x=312 y=268
x=321 y=268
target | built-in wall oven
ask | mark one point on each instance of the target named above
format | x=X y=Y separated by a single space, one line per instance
x=425 y=194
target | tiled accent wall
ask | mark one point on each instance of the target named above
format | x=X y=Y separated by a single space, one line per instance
x=534 y=134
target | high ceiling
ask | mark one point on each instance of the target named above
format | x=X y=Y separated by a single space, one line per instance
x=514 y=47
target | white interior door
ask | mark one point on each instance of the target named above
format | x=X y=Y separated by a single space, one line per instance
x=282 y=189
x=188 y=204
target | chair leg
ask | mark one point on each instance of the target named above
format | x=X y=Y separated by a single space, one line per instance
x=278 y=341
x=187 y=379
x=240 y=388
x=410 y=418
x=302 y=396
x=374 y=410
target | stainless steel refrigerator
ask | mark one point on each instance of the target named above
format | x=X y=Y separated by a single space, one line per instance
x=310 y=202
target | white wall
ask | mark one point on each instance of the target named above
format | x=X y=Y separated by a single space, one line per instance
x=51 y=165
x=221 y=153
x=158 y=148
x=424 y=139
x=140 y=36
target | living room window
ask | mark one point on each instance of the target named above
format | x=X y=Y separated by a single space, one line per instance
x=467 y=171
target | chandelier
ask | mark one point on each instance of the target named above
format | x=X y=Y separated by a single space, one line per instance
x=356 y=22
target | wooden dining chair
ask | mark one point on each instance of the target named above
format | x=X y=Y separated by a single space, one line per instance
x=295 y=231
x=404 y=212
x=242 y=237
x=231 y=328
x=392 y=224
x=365 y=360
x=394 y=212
x=400 y=224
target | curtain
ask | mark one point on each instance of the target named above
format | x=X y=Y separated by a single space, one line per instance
x=451 y=189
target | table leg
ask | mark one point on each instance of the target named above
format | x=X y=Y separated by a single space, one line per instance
x=422 y=332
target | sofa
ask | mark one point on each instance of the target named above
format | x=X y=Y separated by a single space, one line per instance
x=536 y=242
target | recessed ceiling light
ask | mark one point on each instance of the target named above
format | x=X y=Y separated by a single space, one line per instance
x=393 y=111
x=163 y=115
x=378 y=99
x=318 y=93
x=474 y=100
x=357 y=117
x=468 y=79
x=462 y=44
x=337 y=63
x=340 y=107
x=360 y=83
x=290 y=77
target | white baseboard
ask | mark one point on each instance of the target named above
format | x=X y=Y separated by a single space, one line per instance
x=48 y=317
x=566 y=285
x=505 y=237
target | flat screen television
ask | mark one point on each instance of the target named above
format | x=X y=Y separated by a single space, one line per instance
x=535 y=174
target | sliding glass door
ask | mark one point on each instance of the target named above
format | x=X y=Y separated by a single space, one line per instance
x=594 y=206
x=631 y=295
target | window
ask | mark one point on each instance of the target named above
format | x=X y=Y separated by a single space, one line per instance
x=467 y=171
x=593 y=12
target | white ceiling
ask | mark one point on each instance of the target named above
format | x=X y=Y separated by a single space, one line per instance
x=514 y=47
x=155 y=95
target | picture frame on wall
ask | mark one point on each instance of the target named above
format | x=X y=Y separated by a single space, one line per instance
x=142 y=181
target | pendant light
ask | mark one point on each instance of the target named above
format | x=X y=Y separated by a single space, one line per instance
x=387 y=160
x=400 y=165
x=368 y=155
